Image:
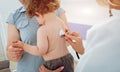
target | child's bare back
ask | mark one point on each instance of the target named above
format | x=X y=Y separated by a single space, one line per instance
x=56 y=44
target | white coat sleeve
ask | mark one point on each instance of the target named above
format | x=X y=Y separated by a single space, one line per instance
x=103 y=49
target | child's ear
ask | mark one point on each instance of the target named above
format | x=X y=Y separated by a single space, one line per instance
x=40 y=18
x=38 y=14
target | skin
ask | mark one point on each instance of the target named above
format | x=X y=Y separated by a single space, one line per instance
x=43 y=69
x=15 y=53
x=77 y=46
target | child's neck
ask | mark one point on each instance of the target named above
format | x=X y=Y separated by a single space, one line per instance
x=50 y=17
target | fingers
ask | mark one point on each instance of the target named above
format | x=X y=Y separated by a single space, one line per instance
x=14 y=49
x=75 y=34
x=67 y=30
x=17 y=44
x=14 y=52
x=59 y=69
x=71 y=42
x=15 y=55
x=15 y=41
x=69 y=36
x=43 y=69
x=40 y=69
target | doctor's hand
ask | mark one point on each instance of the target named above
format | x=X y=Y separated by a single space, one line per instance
x=75 y=40
x=44 y=69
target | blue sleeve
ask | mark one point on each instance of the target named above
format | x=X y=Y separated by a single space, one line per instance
x=60 y=11
x=11 y=19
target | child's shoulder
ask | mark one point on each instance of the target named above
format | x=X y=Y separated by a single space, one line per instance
x=42 y=28
x=63 y=25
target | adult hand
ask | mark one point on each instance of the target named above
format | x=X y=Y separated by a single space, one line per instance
x=15 y=53
x=44 y=69
x=75 y=40
x=18 y=44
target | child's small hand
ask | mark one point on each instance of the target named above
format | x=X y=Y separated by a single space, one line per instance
x=18 y=44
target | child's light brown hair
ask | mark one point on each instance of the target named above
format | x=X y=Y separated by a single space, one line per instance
x=41 y=6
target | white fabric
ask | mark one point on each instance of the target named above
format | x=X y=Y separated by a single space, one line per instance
x=103 y=44
x=3 y=36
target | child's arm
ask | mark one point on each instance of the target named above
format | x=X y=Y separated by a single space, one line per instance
x=42 y=44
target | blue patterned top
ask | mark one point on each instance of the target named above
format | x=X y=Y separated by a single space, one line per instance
x=28 y=33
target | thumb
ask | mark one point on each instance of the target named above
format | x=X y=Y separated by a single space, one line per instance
x=75 y=34
x=59 y=69
x=71 y=37
x=15 y=41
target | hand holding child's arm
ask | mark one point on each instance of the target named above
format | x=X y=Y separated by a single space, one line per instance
x=18 y=44
x=41 y=47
